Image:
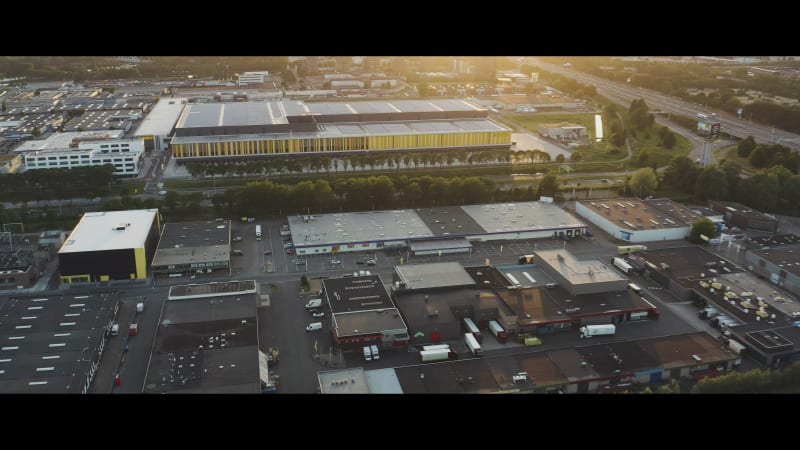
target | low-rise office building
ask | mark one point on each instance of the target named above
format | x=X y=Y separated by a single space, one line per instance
x=189 y=247
x=82 y=149
x=745 y=217
x=634 y=220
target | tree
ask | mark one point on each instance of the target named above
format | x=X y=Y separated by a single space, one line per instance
x=36 y=132
x=712 y=183
x=5 y=106
x=548 y=187
x=560 y=158
x=681 y=173
x=669 y=140
x=575 y=156
x=702 y=226
x=746 y=146
x=643 y=182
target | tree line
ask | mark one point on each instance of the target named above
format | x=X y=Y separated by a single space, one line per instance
x=89 y=182
x=369 y=194
x=361 y=161
x=774 y=189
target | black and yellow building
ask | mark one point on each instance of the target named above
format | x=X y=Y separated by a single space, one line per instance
x=250 y=129
x=110 y=245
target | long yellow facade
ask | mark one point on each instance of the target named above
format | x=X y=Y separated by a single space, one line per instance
x=340 y=143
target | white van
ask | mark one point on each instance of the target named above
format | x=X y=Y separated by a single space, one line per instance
x=114 y=329
x=367 y=353
x=375 y=355
x=314 y=326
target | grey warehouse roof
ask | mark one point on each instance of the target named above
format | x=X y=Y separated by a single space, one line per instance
x=434 y=275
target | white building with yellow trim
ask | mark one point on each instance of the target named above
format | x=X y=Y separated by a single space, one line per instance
x=110 y=245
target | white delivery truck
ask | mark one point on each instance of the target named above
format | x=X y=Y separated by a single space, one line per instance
x=434 y=355
x=367 y=353
x=598 y=330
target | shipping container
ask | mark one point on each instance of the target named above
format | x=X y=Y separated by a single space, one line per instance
x=498 y=331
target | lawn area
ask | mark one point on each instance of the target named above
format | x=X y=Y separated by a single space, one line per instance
x=730 y=154
x=658 y=154
x=532 y=121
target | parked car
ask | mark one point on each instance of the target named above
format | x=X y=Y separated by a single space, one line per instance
x=299 y=261
x=268 y=252
x=314 y=326
x=290 y=252
x=336 y=261
x=370 y=262
x=318 y=314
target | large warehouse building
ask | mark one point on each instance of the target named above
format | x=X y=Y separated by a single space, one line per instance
x=634 y=220
x=247 y=129
x=189 y=247
x=110 y=245
x=347 y=232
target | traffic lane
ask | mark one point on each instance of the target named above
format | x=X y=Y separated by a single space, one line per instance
x=133 y=370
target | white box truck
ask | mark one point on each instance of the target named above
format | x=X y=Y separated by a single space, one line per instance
x=598 y=330
x=375 y=355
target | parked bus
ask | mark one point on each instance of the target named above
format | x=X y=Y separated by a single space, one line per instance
x=258 y=232
x=470 y=327
x=625 y=249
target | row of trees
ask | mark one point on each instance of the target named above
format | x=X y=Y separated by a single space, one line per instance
x=88 y=182
x=771 y=190
x=370 y=193
x=754 y=381
x=765 y=155
x=362 y=161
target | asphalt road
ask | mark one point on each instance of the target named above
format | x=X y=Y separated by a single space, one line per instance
x=732 y=125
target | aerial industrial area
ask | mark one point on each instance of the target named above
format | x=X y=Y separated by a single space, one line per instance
x=366 y=225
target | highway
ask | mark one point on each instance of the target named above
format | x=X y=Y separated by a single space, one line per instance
x=624 y=94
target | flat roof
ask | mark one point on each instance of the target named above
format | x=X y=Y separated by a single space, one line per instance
x=749 y=283
x=772 y=241
x=577 y=271
x=744 y=210
x=214 y=289
x=674 y=209
x=367 y=322
x=206 y=345
x=344 y=381
x=162 y=117
x=193 y=242
x=787 y=258
x=98 y=119
x=383 y=381
x=96 y=231
x=522 y=216
x=62 y=141
x=209 y=309
x=356 y=294
x=433 y=275
x=633 y=214
x=685 y=264
x=526 y=275
x=327 y=229
x=353 y=130
x=425 y=309
x=50 y=339
x=566 y=366
x=449 y=220
x=199 y=115
x=488 y=277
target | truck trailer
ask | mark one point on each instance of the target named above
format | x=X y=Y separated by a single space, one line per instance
x=598 y=330
x=622 y=265
x=472 y=344
x=434 y=355
x=498 y=331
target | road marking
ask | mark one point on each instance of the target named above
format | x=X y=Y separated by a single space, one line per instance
x=51 y=357
x=39 y=300
x=36 y=383
x=9 y=348
x=60 y=344
x=15 y=338
x=62 y=334
x=45 y=369
x=28 y=317
x=31 y=308
x=22 y=327
x=66 y=324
